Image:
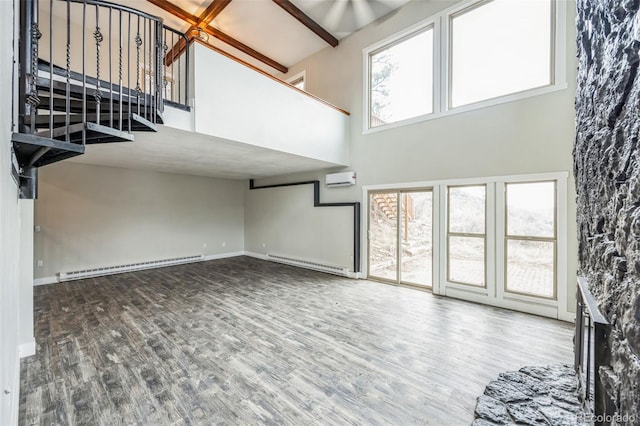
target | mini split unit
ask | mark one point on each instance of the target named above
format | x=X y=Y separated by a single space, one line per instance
x=341 y=179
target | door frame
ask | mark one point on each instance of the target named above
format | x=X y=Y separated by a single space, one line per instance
x=398 y=280
x=553 y=309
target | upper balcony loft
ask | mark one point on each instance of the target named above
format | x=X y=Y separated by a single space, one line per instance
x=93 y=72
x=241 y=123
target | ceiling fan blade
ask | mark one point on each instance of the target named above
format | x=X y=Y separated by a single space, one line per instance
x=362 y=12
x=335 y=15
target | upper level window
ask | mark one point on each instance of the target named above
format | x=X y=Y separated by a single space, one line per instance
x=475 y=54
x=499 y=47
x=401 y=79
x=298 y=80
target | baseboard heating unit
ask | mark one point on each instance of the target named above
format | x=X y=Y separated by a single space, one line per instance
x=330 y=269
x=96 y=272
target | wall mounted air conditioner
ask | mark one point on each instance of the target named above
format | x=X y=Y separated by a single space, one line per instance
x=341 y=179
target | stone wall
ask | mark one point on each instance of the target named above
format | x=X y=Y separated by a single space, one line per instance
x=607 y=169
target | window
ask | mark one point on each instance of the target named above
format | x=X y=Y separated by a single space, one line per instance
x=476 y=54
x=466 y=235
x=498 y=240
x=401 y=80
x=530 y=243
x=499 y=47
x=298 y=80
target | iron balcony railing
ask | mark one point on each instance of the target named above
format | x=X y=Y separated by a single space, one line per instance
x=95 y=61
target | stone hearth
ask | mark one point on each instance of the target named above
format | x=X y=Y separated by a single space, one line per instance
x=531 y=396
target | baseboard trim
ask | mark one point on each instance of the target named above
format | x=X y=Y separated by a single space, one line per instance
x=27 y=349
x=55 y=280
x=15 y=394
x=256 y=255
x=222 y=255
x=45 y=281
x=567 y=316
x=350 y=274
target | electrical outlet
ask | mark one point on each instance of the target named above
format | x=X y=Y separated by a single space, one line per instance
x=40 y=263
x=37 y=228
x=204 y=245
x=264 y=245
x=224 y=244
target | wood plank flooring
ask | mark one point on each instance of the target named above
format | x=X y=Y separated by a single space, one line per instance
x=242 y=341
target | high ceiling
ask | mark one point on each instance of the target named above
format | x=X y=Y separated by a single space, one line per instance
x=269 y=34
x=259 y=32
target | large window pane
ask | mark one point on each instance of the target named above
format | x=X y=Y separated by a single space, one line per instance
x=466 y=260
x=531 y=209
x=500 y=47
x=467 y=209
x=530 y=266
x=383 y=226
x=401 y=80
x=416 y=236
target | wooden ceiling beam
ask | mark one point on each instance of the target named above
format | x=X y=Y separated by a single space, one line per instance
x=307 y=21
x=244 y=48
x=208 y=15
x=195 y=21
x=175 y=11
x=212 y=11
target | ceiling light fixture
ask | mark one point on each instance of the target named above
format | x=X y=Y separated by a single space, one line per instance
x=201 y=35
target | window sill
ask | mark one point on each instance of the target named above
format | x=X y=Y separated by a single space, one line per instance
x=471 y=107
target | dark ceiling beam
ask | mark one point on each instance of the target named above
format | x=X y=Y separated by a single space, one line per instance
x=208 y=15
x=175 y=11
x=306 y=21
x=180 y=46
x=195 y=20
x=244 y=48
x=212 y=11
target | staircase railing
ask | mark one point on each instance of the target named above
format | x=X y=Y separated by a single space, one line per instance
x=176 y=67
x=90 y=72
x=102 y=60
x=117 y=45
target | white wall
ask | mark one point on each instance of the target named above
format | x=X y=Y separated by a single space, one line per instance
x=280 y=218
x=530 y=135
x=94 y=216
x=234 y=102
x=26 y=334
x=9 y=235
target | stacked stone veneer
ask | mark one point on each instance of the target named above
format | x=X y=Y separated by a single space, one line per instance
x=607 y=170
x=531 y=396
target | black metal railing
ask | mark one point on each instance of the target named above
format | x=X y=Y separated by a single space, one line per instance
x=175 y=57
x=592 y=355
x=95 y=61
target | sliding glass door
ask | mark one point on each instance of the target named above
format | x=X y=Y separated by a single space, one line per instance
x=499 y=240
x=383 y=234
x=401 y=237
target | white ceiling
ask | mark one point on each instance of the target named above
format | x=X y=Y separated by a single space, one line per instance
x=177 y=151
x=268 y=29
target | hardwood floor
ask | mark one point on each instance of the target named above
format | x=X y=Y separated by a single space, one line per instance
x=244 y=341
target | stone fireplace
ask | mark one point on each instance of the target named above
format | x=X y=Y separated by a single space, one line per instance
x=607 y=170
